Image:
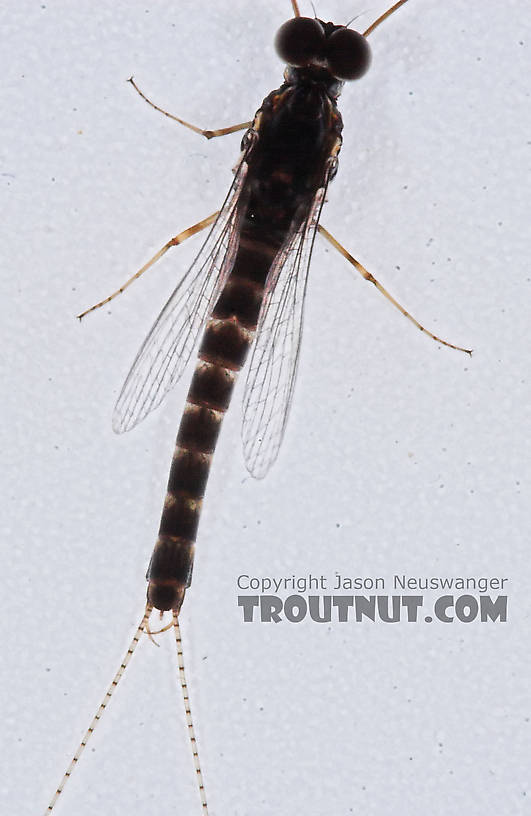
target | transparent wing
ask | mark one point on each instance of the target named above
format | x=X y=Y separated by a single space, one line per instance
x=166 y=350
x=271 y=375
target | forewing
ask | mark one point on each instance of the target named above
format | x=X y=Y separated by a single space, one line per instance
x=273 y=365
x=166 y=350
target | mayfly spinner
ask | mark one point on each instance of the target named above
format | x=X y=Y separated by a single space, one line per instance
x=243 y=293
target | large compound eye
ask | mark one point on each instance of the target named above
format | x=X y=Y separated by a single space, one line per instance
x=299 y=41
x=348 y=54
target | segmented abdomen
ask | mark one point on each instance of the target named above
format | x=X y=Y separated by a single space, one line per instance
x=226 y=340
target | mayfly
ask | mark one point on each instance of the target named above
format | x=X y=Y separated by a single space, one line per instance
x=245 y=289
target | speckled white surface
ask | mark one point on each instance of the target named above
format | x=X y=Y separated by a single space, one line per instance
x=400 y=456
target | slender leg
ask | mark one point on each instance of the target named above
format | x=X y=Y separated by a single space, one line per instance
x=103 y=705
x=295 y=7
x=367 y=276
x=383 y=17
x=208 y=134
x=177 y=239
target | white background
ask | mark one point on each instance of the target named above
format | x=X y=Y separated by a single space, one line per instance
x=400 y=456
